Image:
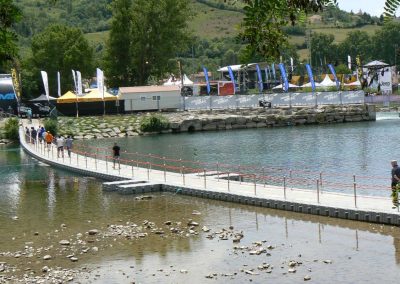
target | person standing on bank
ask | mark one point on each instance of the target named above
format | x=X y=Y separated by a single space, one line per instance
x=395 y=183
x=68 y=144
x=116 y=150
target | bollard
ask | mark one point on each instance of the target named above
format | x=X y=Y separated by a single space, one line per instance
x=183 y=174
x=148 y=170
x=284 y=187
x=255 y=185
x=205 y=184
x=133 y=174
x=229 y=183
x=165 y=174
x=318 y=191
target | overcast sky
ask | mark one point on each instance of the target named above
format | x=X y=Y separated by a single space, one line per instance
x=372 y=7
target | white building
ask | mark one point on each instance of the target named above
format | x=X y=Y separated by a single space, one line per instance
x=150 y=98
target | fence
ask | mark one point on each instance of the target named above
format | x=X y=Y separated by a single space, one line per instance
x=283 y=99
x=286 y=181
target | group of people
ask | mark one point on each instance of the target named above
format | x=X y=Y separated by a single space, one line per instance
x=40 y=135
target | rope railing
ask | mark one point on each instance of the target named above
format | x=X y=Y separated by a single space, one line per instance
x=282 y=180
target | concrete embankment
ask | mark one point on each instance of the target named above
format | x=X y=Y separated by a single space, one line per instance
x=206 y=120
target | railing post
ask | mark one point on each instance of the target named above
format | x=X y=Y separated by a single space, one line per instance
x=240 y=176
x=284 y=187
x=255 y=185
x=318 y=191
x=229 y=180
x=149 y=162
x=77 y=159
x=355 y=190
x=119 y=166
x=165 y=174
x=137 y=160
x=133 y=174
x=320 y=181
x=148 y=170
x=264 y=178
x=180 y=161
x=86 y=159
x=205 y=183
x=217 y=171
x=95 y=160
x=52 y=152
x=290 y=176
x=106 y=165
x=183 y=175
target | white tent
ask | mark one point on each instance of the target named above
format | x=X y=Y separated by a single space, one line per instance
x=376 y=64
x=281 y=87
x=356 y=83
x=186 y=81
x=327 y=82
x=308 y=85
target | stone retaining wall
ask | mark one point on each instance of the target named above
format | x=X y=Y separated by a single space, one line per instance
x=206 y=120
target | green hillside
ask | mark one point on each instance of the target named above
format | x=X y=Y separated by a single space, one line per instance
x=213 y=19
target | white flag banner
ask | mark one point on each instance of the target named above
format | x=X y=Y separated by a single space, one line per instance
x=349 y=61
x=58 y=84
x=75 y=84
x=291 y=63
x=100 y=81
x=45 y=83
x=79 y=80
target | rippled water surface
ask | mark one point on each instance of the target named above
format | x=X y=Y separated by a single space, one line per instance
x=35 y=198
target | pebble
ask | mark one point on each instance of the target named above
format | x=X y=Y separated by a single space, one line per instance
x=327 y=261
x=183 y=271
x=45 y=269
x=167 y=223
x=93 y=232
x=74 y=259
x=292 y=270
x=307 y=277
x=47 y=257
x=205 y=229
x=64 y=243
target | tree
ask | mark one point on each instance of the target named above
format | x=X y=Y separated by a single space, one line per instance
x=262 y=27
x=9 y=15
x=357 y=43
x=387 y=42
x=144 y=36
x=159 y=32
x=323 y=50
x=118 y=58
x=59 y=48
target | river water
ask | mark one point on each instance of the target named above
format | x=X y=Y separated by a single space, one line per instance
x=39 y=206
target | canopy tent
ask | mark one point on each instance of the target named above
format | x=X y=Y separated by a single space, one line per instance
x=68 y=97
x=95 y=96
x=308 y=85
x=327 y=82
x=281 y=87
x=186 y=81
x=42 y=98
x=376 y=64
x=356 y=83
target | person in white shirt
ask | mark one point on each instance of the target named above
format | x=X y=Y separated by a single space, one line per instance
x=60 y=146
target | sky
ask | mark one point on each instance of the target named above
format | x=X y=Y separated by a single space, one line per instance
x=372 y=7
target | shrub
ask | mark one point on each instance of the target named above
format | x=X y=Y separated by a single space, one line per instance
x=153 y=123
x=52 y=126
x=11 y=129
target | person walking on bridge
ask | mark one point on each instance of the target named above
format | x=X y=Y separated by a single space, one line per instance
x=116 y=150
x=60 y=146
x=49 y=139
x=68 y=144
x=395 y=183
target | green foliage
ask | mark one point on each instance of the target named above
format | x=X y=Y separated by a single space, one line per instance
x=11 y=129
x=153 y=123
x=51 y=125
x=9 y=15
x=150 y=32
x=391 y=7
x=58 y=48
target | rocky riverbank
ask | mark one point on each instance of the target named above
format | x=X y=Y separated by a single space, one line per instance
x=206 y=120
